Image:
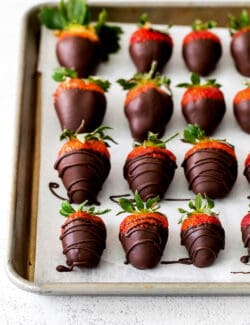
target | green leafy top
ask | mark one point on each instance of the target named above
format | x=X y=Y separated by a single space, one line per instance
x=198 y=205
x=143 y=78
x=138 y=206
x=143 y=20
x=76 y=13
x=196 y=81
x=67 y=209
x=154 y=141
x=62 y=74
x=198 y=25
x=97 y=134
x=193 y=134
x=237 y=24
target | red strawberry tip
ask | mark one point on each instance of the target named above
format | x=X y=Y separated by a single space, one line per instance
x=245 y=220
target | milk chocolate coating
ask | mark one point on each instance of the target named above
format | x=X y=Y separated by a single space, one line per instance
x=203 y=243
x=242 y=115
x=246 y=240
x=210 y=171
x=144 y=53
x=79 y=54
x=201 y=56
x=83 y=242
x=144 y=246
x=83 y=173
x=240 y=50
x=74 y=105
x=206 y=112
x=150 y=176
x=247 y=173
x=150 y=111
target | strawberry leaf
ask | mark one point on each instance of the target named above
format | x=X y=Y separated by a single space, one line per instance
x=193 y=134
x=195 y=79
x=143 y=20
x=151 y=202
x=198 y=202
x=237 y=24
x=61 y=74
x=67 y=135
x=104 y=84
x=126 y=205
x=52 y=18
x=138 y=201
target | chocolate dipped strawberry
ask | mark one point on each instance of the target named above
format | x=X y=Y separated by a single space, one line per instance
x=81 y=45
x=78 y=99
x=150 y=167
x=83 y=236
x=241 y=104
x=240 y=42
x=147 y=45
x=203 y=104
x=245 y=231
x=201 y=48
x=201 y=232
x=247 y=168
x=147 y=106
x=210 y=166
x=83 y=163
x=143 y=233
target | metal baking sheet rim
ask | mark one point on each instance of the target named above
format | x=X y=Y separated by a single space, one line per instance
x=102 y=288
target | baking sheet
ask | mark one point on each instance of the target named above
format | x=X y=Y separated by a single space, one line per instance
x=112 y=267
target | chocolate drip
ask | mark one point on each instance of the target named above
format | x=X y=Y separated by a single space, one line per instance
x=150 y=176
x=207 y=113
x=83 y=173
x=240 y=272
x=185 y=260
x=246 y=240
x=203 y=243
x=144 y=53
x=150 y=111
x=83 y=242
x=114 y=198
x=144 y=244
x=247 y=174
x=210 y=171
x=201 y=56
x=242 y=115
x=240 y=50
x=80 y=54
x=75 y=105
x=53 y=186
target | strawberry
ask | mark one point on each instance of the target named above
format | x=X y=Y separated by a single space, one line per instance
x=201 y=48
x=201 y=231
x=83 y=163
x=147 y=45
x=203 y=104
x=79 y=99
x=240 y=42
x=245 y=230
x=147 y=106
x=83 y=236
x=81 y=45
x=247 y=168
x=210 y=166
x=241 y=104
x=150 y=167
x=143 y=233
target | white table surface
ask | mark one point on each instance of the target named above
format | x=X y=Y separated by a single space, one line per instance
x=19 y=307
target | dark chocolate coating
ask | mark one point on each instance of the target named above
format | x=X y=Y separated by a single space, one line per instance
x=201 y=56
x=149 y=111
x=247 y=173
x=203 y=243
x=211 y=171
x=246 y=240
x=240 y=50
x=74 y=105
x=144 y=246
x=144 y=53
x=206 y=112
x=79 y=53
x=83 y=173
x=150 y=176
x=242 y=114
x=83 y=242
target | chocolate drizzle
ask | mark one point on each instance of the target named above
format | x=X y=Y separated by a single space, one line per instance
x=150 y=111
x=79 y=53
x=203 y=243
x=242 y=114
x=246 y=240
x=52 y=187
x=247 y=173
x=150 y=176
x=240 y=50
x=83 y=173
x=211 y=171
x=144 y=244
x=83 y=242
